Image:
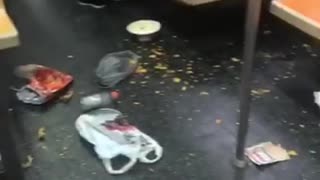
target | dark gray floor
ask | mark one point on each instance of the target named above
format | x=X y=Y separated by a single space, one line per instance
x=184 y=122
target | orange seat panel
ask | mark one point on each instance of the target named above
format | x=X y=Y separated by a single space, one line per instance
x=6 y=26
x=304 y=14
x=8 y=32
x=307 y=8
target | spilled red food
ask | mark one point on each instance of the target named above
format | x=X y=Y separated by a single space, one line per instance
x=48 y=81
x=115 y=126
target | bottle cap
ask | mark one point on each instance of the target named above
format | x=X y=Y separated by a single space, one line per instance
x=115 y=95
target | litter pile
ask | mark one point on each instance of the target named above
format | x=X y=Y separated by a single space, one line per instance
x=106 y=129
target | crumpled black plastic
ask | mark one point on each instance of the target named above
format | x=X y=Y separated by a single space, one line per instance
x=115 y=67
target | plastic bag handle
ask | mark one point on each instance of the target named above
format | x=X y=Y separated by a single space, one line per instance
x=153 y=146
x=123 y=169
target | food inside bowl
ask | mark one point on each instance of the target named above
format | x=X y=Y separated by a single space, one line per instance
x=144 y=27
x=144 y=30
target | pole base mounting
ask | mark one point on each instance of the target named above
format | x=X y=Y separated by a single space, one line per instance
x=240 y=163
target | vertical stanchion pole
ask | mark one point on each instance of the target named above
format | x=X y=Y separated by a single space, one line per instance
x=251 y=29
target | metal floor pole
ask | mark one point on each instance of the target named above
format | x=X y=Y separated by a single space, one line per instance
x=251 y=29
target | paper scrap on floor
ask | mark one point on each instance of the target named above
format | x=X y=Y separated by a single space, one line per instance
x=266 y=153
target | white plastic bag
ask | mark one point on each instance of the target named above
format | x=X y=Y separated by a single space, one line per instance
x=111 y=139
x=316 y=95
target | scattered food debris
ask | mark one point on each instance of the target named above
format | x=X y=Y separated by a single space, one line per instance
x=164 y=75
x=141 y=70
x=189 y=68
x=28 y=163
x=70 y=56
x=156 y=52
x=260 y=92
x=312 y=152
x=302 y=126
x=44 y=147
x=170 y=71
x=237 y=78
x=306 y=45
x=276 y=79
x=157 y=92
x=267 y=32
x=160 y=66
x=204 y=93
x=151 y=170
x=136 y=103
x=67 y=96
x=267 y=153
x=176 y=55
x=153 y=56
x=42 y=134
x=292 y=153
x=230 y=43
x=218 y=121
x=267 y=55
x=234 y=59
x=189 y=72
x=176 y=80
x=197 y=110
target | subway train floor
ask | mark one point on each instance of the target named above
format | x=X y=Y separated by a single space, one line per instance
x=190 y=107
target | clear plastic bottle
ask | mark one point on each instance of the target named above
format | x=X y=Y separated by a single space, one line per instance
x=99 y=100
